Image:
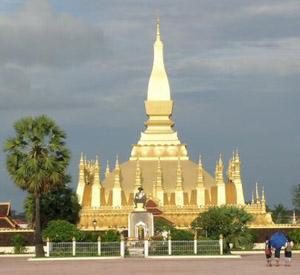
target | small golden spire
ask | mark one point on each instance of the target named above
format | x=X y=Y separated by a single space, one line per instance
x=107 y=170
x=252 y=201
x=294 y=220
x=97 y=171
x=263 y=194
x=117 y=166
x=257 y=194
x=200 y=161
x=229 y=170
x=219 y=171
x=81 y=162
x=220 y=160
x=117 y=181
x=237 y=156
x=200 y=180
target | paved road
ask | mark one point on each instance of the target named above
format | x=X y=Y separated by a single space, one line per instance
x=251 y=264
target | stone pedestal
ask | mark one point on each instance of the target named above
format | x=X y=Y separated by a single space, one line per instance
x=140 y=224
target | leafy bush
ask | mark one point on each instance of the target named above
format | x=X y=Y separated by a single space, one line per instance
x=161 y=224
x=179 y=234
x=18 y=243
x=106 y=236
x=295 y=237
x=110 y=236
x=229 y=221
x=62 y=231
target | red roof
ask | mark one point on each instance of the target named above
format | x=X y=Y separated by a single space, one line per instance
x=152 y=207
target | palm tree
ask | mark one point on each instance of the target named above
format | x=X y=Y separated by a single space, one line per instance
x=36 y=161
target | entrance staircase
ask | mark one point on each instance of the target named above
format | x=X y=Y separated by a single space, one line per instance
x=135 y=249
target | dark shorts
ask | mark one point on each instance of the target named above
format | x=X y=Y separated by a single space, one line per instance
x=277 y=253
x=288 y=254
x=269 y=256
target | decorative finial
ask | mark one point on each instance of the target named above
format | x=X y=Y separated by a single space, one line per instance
x=263 y=193
x=252 y=201
x=81 y=157
x=200 y=160
x=220 y=159
x=157 y=28
x=107 y=170
x=237 y=156
x=117 y=166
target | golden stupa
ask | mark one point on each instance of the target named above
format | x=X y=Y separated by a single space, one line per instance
x=177 y=188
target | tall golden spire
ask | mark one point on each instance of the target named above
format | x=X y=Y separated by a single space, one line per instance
x=158 y=87
x=159 y=130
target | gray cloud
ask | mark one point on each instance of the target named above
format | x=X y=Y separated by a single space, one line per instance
x=233 y=68
x=37 y=36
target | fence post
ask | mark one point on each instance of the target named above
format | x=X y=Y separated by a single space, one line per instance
x=169 y=245
x=99 y=246
x=73 y=246
x=48 y=247
x=146 y=248
x=195 y=244
x=122 y=246
x=221 y=244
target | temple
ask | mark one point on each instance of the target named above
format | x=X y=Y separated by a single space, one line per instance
x=177 y=188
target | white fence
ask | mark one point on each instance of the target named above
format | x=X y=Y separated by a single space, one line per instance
x=133 y=248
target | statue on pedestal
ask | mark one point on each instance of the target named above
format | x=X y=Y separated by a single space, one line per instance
x=140 y=198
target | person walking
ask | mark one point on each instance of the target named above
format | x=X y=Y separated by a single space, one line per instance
x=277 y=255
x=268 y=251
x=288 y=252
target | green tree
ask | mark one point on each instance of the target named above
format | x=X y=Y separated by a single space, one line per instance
x=36 y=161
x=161 y=224
x=229 y=221
x=279 y=214
x=62 y=231
x=60 y=203
x=296 y=196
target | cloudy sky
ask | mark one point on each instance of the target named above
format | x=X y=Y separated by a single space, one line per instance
x=233 y=67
